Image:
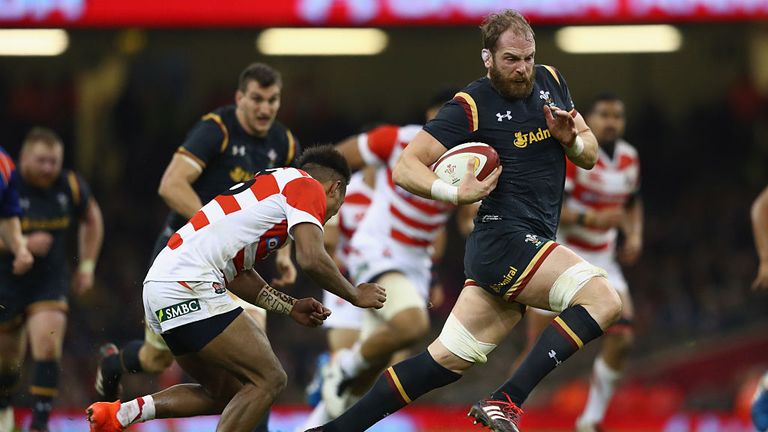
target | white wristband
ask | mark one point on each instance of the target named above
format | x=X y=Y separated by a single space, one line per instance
x=576 y=149
x=444 y=192
x=86 y=266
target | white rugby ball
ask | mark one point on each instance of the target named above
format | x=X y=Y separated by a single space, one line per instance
x=452 y=165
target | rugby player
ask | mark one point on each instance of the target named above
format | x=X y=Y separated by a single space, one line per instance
x=525 y=112
x=186 y=300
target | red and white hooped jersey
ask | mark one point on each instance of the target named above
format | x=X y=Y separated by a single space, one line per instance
x=395 y=213
x=250 y=221
x=609 y=184
x=351 y=213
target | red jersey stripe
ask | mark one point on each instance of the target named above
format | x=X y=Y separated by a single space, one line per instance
x=429 y=207
x=265 y=186
x=272 y=239
x=175 y=241
x=404 y=238
x=306 y=194
x=199 y=220
x=228 y=203
x=357 y=198
x=581 y=244
x=239 y=261
x=412 y=222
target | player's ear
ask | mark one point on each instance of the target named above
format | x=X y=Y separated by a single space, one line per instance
x=485 y=54
x=239 y=95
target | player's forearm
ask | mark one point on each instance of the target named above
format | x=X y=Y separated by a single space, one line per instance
x=252 y=288
x=414 y=176
x=569 y=216
x=634 y=221
x=587 y=157
x=90 y=237
x=760 y=225
x=321 y=269
x=10 y=234
x=285 y=251
x=180 y=197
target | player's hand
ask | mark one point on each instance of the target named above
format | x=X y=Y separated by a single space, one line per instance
x=39 y=243
x=82 y=283
x=761 y=281
x=287 y=271
x=309 y=312
x=560 y=125
x=471 y=189
x=23 y=261
x=370 y=295
x=630 y=251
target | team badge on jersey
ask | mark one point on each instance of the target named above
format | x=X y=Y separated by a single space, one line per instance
x=533 y=239
x=219 y=288
x=272 y=243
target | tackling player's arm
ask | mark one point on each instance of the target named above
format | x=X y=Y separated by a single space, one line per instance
x=10 y=234
x=90 y=236
x=313 y=259
x=413 y=173
x=760 y=230
x=176 y=185
x=250 y=286
x=632 y=227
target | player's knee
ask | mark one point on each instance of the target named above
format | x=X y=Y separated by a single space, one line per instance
x=611 y=303
x=461 y=343
x=275 y=381
x=153 y=360
x=410 y=326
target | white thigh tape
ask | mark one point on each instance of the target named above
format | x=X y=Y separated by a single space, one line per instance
x=458 y=340
x=570 y=282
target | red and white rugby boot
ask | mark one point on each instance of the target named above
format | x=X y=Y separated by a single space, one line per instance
x=498 y=416
x=102 y=416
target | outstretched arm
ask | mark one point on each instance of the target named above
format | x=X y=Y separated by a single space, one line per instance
x=90 y=238
x=10 y=233
x=574 y=135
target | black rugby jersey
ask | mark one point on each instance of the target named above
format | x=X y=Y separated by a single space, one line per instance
x=229 y=155
x=55 y=210
x=530 y=191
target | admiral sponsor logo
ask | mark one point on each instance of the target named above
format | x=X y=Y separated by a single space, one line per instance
x=177 y=310
x=506 y=281
x=522 y=139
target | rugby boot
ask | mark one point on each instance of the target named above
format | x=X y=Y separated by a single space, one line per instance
x=108 y=373
x=497 y=415
x=102 y=416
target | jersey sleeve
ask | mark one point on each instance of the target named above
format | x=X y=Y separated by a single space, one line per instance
x=305 y=198
x=205 y=141
x=9 y=193
x=455 y=122
x=80 y=192
x=377 y=145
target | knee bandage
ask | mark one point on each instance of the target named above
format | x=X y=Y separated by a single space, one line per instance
x=458 y=340
x=570 y=282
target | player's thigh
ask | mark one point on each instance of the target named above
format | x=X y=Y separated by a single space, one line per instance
x=46 y=329
x=258 y=314
x=405 y=310
x=341 y=338
x=13 y=345
x=243 y=349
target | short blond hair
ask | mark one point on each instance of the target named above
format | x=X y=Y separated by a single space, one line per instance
x=44 y=135
x=497 y=23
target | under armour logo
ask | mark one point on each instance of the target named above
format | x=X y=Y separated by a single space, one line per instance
x=553 y=355
x=238 y=150
x=508 y=115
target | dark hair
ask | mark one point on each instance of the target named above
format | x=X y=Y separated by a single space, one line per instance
x=262 y=73
x=43 y=135
x=497 y=23
x=606 y=96
x=442 y=96
x=324 y=162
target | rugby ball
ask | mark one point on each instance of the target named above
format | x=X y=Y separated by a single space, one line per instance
x=452 y=165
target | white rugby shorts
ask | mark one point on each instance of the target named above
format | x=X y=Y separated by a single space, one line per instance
x=168 y=305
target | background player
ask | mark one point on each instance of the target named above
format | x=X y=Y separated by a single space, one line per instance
x=226 y=146
x=54 y=203
x=601 y=203
x=10 y=234
x=525 y=112
x=185 y=294
x=760 y=231
x=393 y=246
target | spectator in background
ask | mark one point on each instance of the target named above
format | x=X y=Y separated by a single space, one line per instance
x=53 y=203
x=760 y=229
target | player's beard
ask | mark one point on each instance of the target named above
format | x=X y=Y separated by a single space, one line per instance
x=509 y=88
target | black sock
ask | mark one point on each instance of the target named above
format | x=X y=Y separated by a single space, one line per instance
x=8 y=382
x=396 y=388
x=129 y=355
x=568 y=332
x=45 y=385
x=262 y=426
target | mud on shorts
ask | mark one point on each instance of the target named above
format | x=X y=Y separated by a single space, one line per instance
x=503 y=262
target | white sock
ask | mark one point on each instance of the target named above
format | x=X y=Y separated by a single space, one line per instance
x=604 y=381
x=352 y=361
x=138 y=410
x=318 y=417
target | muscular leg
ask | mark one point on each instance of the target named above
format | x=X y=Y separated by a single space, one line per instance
x=46 y=329
x=608 y=368
x=13 y=344
x=486 y=318
x=243 y=352
x=536 y=320
x=592 y=309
